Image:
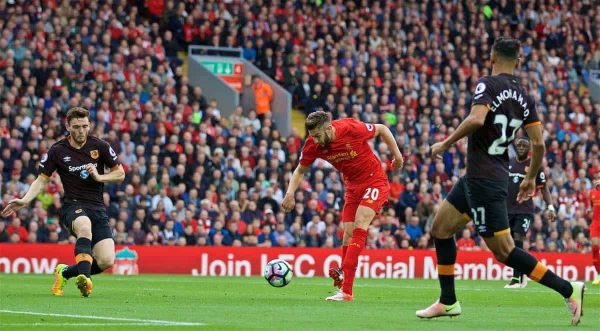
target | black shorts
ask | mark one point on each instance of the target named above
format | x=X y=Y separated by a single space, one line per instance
x=484 y=201
x=100 y=227
x=520 y=223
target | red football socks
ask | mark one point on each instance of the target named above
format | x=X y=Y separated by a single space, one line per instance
x=344 y=250
x=350 y=262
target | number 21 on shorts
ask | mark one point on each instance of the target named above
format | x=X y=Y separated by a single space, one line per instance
x=479 y=219
x=371 y=194
x=478 y=216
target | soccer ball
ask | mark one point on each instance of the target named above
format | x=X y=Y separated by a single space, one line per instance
x=278 y=273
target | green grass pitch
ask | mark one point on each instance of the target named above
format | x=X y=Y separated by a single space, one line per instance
x=169 y=302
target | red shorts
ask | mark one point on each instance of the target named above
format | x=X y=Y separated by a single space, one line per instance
x=595 y=228
x=373 y=195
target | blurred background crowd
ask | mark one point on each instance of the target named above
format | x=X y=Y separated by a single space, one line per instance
x=195 y=177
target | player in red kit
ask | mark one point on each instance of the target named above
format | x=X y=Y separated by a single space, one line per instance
x=344 y=144
x=595 y=226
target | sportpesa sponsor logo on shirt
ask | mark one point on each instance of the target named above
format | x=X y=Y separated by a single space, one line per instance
x=81 y=167
x=515 y=176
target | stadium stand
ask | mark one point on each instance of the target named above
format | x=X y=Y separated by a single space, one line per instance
x=219 y=181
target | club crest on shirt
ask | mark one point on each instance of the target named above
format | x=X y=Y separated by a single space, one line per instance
x=95 y=154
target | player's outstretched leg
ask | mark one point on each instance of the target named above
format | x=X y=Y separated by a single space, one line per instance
x=520 y=260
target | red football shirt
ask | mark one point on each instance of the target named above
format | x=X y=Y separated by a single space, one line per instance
x=595 y=197
x=349 y=153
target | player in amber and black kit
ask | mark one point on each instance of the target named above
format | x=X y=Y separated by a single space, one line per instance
x=79 y=160
x=500 y=107
x=520 y=215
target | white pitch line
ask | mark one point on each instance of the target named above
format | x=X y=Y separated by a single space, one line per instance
x=78 y=324
x=122 y=319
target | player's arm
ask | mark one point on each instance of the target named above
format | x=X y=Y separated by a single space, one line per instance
x=537 y=145
x=36 y=187
x=289 y=202
x=47 y=168
x=116 y=174
x=474 y=121
x=307 y=157
x=550 y=211
x=543 y=185
x=547 y=197
x=388 y=138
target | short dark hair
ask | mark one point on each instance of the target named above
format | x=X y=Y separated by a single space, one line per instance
x=507 y=47
x=523 y=138
x=77 y=112
x=316 y=119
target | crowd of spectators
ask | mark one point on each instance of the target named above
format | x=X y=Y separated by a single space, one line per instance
x=195 y=177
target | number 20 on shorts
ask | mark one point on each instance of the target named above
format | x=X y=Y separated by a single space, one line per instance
x=371 y=193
